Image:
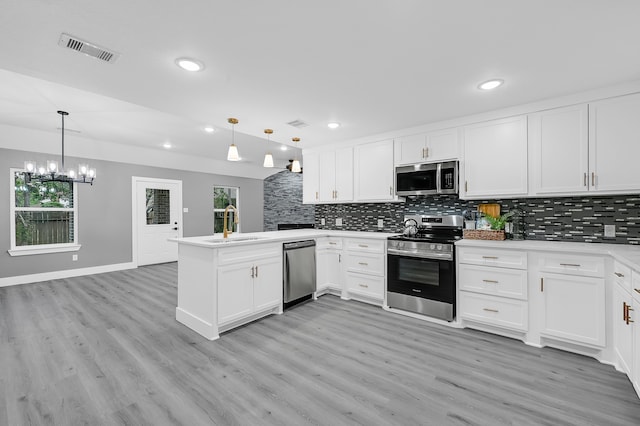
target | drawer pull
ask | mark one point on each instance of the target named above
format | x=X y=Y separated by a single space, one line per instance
x=489 y=310
x=489 y=257
x=363 y=263
x=363 y=285
x=577 y=265
x=490 y=281
x=363 y=245
x=332 y=243
x=637 y=290
x=624 y=312
x=415 y=290
x=541 y=284
x=618 y=274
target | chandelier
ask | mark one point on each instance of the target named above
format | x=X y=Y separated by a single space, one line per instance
x=54 y=172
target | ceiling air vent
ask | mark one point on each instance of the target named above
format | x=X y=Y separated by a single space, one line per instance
x=87 y=48
x=298 y=124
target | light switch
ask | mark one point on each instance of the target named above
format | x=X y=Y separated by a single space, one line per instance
x=185 y=210
x=380 y=223
x=610 y=231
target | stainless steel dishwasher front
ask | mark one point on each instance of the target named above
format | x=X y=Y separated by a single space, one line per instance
x=299 y=270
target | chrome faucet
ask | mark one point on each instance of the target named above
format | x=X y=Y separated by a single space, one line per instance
x=236 y=220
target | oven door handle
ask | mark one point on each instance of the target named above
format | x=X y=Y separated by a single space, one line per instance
x=435 y=256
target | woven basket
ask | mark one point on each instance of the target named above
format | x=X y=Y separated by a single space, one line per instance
x=481 y=234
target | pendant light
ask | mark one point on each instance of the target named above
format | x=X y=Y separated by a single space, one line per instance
x=232 y=154
x=268 y=158
x=52 y=173
x=295 y=166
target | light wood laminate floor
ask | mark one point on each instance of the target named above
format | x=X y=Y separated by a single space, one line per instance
x=106 y=349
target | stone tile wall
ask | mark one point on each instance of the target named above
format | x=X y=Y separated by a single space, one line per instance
x=283 y=201
x=578 y=219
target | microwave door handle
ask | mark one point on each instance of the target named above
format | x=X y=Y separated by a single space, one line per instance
x=439 y=178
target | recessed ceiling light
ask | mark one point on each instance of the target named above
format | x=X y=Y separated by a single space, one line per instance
x=283 y=148
x=490 y=84
x=189 y=64
x=333 y=125
x=209 y=129
x=167 y=145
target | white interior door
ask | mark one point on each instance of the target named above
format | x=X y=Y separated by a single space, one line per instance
x=157 y=217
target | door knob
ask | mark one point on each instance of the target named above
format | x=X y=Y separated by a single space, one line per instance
x=175 y=229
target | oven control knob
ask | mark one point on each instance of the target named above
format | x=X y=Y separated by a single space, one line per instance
x=439 y=246
x=432 y=246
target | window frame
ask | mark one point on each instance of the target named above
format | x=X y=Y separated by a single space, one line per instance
x=215 y=210
x=39 y=248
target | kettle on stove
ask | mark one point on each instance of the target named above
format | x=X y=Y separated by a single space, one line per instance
x=410 y=229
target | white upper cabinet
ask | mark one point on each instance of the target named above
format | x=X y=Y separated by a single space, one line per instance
x=427 y=147
x=614 y=144
x=495 y=159
x=374 y=171
x=559 y=155
x=311 y=178
x=328 y=176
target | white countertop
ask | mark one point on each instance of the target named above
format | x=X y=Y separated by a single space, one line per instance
x=624 y=253
x=237 y=239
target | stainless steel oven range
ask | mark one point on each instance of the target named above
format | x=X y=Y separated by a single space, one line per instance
x=421 y=266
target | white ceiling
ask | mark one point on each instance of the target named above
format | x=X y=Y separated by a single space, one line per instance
x=373 y=66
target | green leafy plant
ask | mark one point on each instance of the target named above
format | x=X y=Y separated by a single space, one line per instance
x=497 y=223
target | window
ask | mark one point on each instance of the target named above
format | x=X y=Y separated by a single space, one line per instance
x=43 y=216
x=222 y=197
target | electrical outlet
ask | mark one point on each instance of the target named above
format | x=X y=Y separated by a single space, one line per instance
x=610 y=231
x=74 y=257
x=185 y=210
x=380 y=223
x=322 y=221
x=338 y=221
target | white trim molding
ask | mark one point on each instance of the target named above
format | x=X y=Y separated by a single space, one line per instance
x=67 y=273
x=29 y=250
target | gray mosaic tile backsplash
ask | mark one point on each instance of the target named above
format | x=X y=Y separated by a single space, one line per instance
x=578 y=219
x=283 y=201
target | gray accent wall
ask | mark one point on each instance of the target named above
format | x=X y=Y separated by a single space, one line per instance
x=577 y=219
x=104 y=212
x=283 y=201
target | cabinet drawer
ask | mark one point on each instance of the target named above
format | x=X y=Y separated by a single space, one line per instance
x=506 y=313
x=496 y=281
x=365 y=263
x=247 y=253
x=329 y=243
x=622 y=275
x=366 y=245
x=493 y=257
x=585 y=266
x=365 y=285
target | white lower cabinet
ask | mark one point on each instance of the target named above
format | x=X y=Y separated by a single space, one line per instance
x=623 y=328
x=329 y=274
x=249 y=288
x=365 y=269
x=492 y=287
x=635 y=317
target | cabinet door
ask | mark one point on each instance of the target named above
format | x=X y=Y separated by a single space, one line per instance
x=267 y=284
x=635 y=377
x=410 y=149
x=235 y=292
x=559 y=150
x=441 y=145
x=573 y=308
x=374 y=172
x=344 y=174
x=329 y=269
x=614 y=144
x=622 y=332
x=495 y=158
x=310 y=178
x=327 y=175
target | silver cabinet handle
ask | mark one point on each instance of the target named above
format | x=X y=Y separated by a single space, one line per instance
x=256 y=272
x=391 y=190
x=416 y=290
x=489 y=257
x=332 y=243
x=577 y=265
x=253 y=272
x=593 y=178
x=490 y=281
x=584 y=179
x=490 y=310
x=637 y=290
x=618 y=274
x=426 y=151
x=363 y=245
x=363 y=285
x=363 y=263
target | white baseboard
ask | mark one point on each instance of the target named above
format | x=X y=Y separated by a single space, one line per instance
x=68 y=273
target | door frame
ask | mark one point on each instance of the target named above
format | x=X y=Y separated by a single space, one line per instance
x=134 y=210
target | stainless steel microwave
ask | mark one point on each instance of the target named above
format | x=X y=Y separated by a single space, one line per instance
x=427 y=179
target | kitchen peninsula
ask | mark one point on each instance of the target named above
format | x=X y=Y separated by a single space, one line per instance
x=225 y=283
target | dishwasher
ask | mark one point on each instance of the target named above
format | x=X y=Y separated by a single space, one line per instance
x=299 y=272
